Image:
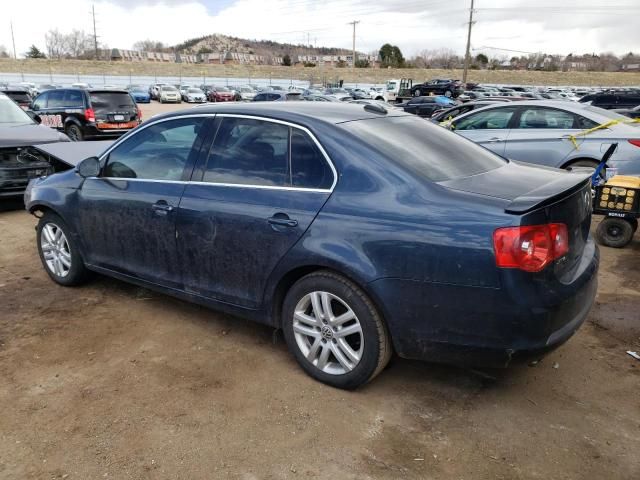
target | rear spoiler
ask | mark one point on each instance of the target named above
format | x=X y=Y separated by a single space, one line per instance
x=563 y=186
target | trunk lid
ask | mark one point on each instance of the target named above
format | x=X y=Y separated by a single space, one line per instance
x=113 y=107
x=539 y=196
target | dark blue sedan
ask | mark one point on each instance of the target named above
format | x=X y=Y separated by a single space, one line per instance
x=359 y=231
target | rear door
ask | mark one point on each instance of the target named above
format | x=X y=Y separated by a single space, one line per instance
x=128 y=213
x=542 y=135
x=489 y=128
x=260 y=187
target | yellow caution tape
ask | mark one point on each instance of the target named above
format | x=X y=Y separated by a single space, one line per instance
x=602 y=126
x=447 y=122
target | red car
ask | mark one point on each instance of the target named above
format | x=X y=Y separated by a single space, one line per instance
x=220 y=94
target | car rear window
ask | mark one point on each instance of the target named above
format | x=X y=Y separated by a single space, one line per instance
x=430 y=151
x=19 y=97
x=111 y=101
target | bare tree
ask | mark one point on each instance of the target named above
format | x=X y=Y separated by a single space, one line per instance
x=149 y=46
x=55 y=44
x=77 y=43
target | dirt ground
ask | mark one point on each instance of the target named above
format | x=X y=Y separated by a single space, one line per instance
x=110 y=380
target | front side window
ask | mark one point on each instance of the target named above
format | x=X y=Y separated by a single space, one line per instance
x=41 y=101
x=158 y=152
x=537 y=117
x=56 y=99
x=497 y=118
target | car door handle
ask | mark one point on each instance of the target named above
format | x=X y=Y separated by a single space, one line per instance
x=495 y=139
x=161 y=207
x=282 y=221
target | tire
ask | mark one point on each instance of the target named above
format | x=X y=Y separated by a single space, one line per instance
x=316 y=343
x=634 y=224
x=63 y=262
x=614 y=232
x=582 y=163
x=74 y=133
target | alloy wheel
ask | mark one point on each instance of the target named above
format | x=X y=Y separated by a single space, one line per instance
x=328 y=333
x=55 y=249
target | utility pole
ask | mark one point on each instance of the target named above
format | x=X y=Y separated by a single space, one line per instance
x=15 y=57
x=466 y=55
x=353 y=59
x=95 y=35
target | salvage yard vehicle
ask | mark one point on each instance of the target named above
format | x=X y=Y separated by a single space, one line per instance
x=457 y=110
x=19 y=161
x=20 y=95
x=193 y=95
x=140 y=93
x=554 y=133
x=619 y=201
x=85 y=114
x=220 y=94
x=357 y=230
x=426 y=106
x=169 y=93
x=611 y=100
x=629 y=112
x=438 y=86
x=278 y=96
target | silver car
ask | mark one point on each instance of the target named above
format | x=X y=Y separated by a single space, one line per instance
x=193 y=95
x=550 y=133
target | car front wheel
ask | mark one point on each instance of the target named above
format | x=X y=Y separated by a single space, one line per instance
x=58 y=251
x=335 y=332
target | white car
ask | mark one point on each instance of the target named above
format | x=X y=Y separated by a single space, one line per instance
x=167 y=93
x=378 y=93
x=247 y=93
x=193 y=95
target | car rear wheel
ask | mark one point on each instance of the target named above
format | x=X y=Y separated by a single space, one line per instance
x=335 y=332
x=74 y=133
x=586 y=163
x=59 y=252
x=615 y=232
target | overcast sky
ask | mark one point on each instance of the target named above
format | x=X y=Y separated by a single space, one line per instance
x=570 y=26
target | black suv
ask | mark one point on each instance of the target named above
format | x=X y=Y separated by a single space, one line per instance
x=88 y=114
x=613 y=100
x=438 y=86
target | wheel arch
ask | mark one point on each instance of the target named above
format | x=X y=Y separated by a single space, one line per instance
x=287 y=280
x=574 y=160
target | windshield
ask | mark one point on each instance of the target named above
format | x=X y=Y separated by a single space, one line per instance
x=168 y=89
x=221 y=89
x=12 y=114
x=427 y=150
x=194 y=90
x=111 y=101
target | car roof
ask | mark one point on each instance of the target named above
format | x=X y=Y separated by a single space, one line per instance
x=295 y=112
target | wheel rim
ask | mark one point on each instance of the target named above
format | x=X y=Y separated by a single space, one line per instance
x=73 y=134
x=614 y=231
x=328 y=333
x=55 y=250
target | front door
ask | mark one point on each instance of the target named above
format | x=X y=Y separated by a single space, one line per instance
x=489 y=128
x=261 y=186
x=128 y=213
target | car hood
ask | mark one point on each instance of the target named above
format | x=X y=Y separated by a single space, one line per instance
x=32 y=134
x=73 y=153
x=523 y=185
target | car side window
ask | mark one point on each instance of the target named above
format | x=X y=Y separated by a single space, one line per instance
x=73 y=99
x=584 y=123
x=497 y=118
x=537 y=117
x=249 y=152
x=309 y=167
x=158 y=152
x=56 y=99
x=41 y=101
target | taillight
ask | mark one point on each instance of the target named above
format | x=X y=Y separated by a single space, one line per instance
x=530 y=248
x=635 y=142
x=90 y=115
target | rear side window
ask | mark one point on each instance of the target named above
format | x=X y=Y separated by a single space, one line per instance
x=427 y=150
x=56 y=99
x=537 y=117
x=309 y=168
x=111 y=101
x=249 y=152
x=74 y=99
x=497 y=118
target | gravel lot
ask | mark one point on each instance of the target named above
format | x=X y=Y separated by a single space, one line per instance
x=110 y=380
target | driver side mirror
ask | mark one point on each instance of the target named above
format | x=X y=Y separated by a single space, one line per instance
x=89 y=167
x=34 y=116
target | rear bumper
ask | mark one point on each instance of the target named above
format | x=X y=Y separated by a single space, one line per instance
x=485 y=327
x=91 y=132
